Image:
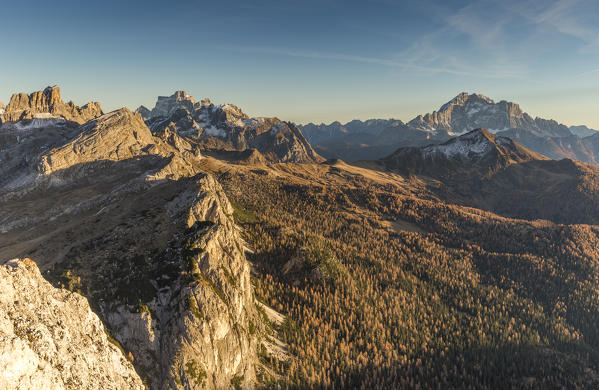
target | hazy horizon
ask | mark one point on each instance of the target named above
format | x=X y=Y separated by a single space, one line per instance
x=315 y=61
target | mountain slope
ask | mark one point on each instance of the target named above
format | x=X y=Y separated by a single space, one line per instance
x=572 y=147
x=582 y=131
x=371 y=267
x=226 y=127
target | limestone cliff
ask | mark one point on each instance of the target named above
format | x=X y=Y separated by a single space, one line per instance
x=50 y=338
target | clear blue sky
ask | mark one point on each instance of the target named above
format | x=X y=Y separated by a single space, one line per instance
x=310 y=60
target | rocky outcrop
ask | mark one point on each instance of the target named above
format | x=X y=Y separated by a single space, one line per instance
x=47 y=104
x=227 y=127
x=50 y=338
x=166 y=105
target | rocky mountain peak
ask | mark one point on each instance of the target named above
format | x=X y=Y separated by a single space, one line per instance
x=182 y=95
x=143 y=111
x=47 y=104
x=473 y=144
x=166 y=105
x=464 y=98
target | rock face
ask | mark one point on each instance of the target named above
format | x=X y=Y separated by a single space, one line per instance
x=196 y=330
x=129 y=219
x=47 y=104
x=50 y=338
x=227 y=127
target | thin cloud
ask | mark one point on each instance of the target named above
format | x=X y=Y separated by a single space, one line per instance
x=391 y=63
x=471 y=39
x=566 y=17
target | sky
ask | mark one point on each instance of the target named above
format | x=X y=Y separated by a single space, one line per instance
x=311 y=60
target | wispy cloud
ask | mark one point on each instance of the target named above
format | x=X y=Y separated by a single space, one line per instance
x=386 y=62
x=483 y=39
x=573 y=18
x=471 y=38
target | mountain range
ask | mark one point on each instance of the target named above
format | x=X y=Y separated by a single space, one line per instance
x=361 y=140
x=191 y=246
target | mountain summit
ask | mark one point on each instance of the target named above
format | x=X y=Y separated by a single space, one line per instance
x=466 y=112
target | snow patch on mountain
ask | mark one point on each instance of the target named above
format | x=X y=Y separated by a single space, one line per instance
x=215 y=132
x=37 y=123
x=458 y=148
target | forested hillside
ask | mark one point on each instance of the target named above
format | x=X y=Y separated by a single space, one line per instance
x=382 y=289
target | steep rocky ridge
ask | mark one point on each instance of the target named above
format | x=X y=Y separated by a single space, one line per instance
x=50 y=338
x=227 y=127
x=129 y=219
x=47 y=104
